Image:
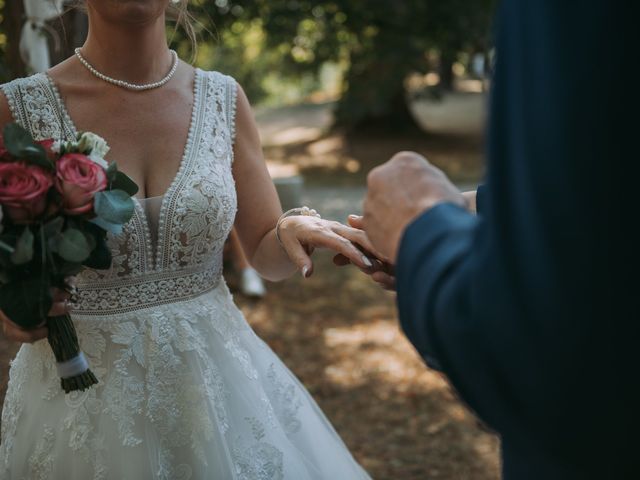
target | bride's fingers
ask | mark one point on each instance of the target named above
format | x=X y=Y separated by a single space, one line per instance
x=60 y=303
x=59 y=308
x=17 y=334
x=26 y=336
x=59 y=295
x=358 y=237
x=327 y=238
x=378 y=266
x=298 y=255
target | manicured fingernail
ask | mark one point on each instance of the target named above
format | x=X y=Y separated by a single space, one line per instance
x=353 y=216
x=367 y=262
x=305 y=271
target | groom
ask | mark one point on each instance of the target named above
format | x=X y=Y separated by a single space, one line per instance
x=520 y=307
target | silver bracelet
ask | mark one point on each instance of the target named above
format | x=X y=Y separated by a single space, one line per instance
x=295 y=212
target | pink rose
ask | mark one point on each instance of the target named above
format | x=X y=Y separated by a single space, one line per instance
x=78 y=180
x=23 y=191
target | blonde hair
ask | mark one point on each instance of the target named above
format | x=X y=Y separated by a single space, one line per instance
x=179 y=12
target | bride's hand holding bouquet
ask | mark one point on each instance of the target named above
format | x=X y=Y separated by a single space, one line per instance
x=58 y=201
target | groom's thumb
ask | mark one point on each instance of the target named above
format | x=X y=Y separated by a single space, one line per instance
x=356 y=221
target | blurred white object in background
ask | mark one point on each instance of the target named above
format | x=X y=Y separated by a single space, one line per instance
x=251 y=284
x=34 y=47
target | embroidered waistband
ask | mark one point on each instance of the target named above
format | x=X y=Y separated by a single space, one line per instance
x=119 y=296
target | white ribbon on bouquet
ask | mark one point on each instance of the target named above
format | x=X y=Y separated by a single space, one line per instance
x=34 y=47
x=75 y=366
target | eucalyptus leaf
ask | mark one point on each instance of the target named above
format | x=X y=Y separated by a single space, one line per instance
x=23 y=252
x=122 y=182
x=113 y=228
x=53 y=227
x=69 y=269
x=6 y=247
x=114 y=206
x=36 y=155
x=16 y=139
x=53 y=242
x=73 y=246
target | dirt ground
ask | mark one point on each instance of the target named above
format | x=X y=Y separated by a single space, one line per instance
x=339 y=333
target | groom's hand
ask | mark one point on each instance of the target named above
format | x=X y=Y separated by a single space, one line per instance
x=400 y=191
x=382 y=272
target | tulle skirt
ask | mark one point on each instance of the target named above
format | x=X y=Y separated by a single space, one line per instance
x=187 y=391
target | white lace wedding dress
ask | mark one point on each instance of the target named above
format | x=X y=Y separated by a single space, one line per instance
x=187 y=390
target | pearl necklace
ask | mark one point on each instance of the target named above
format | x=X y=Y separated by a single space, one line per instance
x=127 y=85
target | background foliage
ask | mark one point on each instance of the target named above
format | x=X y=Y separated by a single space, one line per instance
x=373 y=46
x=358 y=51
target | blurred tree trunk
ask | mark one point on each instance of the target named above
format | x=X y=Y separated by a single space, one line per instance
x=447 y=59
x=13 y=19
x=375 y=97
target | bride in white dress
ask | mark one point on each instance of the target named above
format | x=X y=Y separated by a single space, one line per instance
x=186 y=389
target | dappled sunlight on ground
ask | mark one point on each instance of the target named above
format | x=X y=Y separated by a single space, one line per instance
x=453 y=141
x=373 y=350
x=339 y=333
x=295 y=134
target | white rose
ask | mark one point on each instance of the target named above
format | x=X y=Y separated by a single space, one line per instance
x=56 y=146
x=95 y=143
x=99 y=160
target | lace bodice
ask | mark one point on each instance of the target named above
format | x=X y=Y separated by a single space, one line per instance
x=180 y=255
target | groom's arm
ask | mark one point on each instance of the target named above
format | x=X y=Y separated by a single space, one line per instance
x=516 y=306
x=434 y=247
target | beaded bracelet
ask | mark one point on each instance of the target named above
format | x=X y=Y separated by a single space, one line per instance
x=295 y=212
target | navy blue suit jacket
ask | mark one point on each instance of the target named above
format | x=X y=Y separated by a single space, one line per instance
x=523 y=307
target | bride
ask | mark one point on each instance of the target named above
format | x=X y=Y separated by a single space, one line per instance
x=187 y=390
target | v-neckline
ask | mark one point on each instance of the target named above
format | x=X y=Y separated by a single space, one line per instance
x=153 y=256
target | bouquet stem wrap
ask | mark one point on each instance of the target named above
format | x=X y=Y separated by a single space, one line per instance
x=72 y=366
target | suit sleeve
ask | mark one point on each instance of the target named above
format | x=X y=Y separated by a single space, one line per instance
x=480 y=198
x=510 y=304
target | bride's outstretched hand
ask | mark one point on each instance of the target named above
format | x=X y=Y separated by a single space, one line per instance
x=383 y=271
x=301 y=235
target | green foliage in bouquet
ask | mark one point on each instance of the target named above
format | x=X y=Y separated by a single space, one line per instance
x=58 y=202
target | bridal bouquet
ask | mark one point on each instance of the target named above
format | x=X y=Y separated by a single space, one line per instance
x=58 y=201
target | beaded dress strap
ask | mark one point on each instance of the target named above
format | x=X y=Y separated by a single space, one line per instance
x=35 y=105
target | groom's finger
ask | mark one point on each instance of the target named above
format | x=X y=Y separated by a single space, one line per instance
x=327 y=238
x=341 y=261
x=385 y=280
x=356 y=221
x=357 y=237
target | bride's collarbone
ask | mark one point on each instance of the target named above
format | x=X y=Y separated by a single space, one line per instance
x=147 y=140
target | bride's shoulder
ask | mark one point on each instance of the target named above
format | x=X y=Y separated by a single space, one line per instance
x=21 y=82
x=9 y=93
x=218 y=78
